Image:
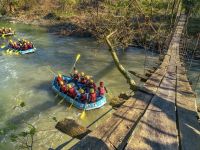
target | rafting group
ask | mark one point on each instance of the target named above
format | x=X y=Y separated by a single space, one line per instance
x=81 y=87
x=20 y=45
x=6 y=31
x=78 y=89
x=16 y=47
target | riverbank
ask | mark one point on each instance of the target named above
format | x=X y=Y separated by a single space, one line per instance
x=70 y=26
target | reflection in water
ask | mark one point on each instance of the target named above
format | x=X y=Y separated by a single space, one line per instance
x=28 y=79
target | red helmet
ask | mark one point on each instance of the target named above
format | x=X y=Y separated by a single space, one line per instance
x=101 y=83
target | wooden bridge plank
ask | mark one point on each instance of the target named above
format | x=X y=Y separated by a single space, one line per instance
x=114 y=131
x=188 y=125
x=157 y=129
x=165 y=121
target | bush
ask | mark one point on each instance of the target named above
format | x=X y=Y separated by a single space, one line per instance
x=3 y=11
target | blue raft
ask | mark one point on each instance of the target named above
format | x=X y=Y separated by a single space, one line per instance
x=7 y=34
x=22 y=52
x=27 y=51
x=101 y=100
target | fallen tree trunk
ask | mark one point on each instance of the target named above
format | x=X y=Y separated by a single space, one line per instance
x=143 y=78
x=119 y=66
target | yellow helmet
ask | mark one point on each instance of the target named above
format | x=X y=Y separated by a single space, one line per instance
x=91 y=90
x=59 y=75
x=87 y=77
x=82 y=73
x=81 y=91
x=69 y=85
x=91 y=81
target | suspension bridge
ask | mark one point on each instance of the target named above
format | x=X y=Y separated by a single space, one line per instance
x=161 y=115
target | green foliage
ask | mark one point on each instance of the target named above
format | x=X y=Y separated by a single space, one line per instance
x=24 y=139
x=55 y=119
x=193 y=27
x=191 y=6
x=22 y=104
x=13 y=137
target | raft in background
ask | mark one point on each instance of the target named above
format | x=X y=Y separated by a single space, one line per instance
x=22 y=52
x=7 y=34
x=100 y=101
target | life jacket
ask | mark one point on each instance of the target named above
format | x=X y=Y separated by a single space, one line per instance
x=76 y=77
x=83 y=97
x=72 y=92
x=29 y=46
x=93 y=97
x=101 y=90
x=25 y=47
x=63 y=89
x=83 y=80
x=59 y=80
x=92 y=86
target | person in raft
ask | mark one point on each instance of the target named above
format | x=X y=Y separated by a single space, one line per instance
x=75 y=76
x=71 y=91
x=63 y=87
x=102 y=89
x=92 y=96
x=83 y=96
x=59 y=79
x=3 y=30
x=82 y=78
x=91 y=85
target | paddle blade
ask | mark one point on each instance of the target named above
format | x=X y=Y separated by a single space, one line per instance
x=78 y=56
x=3 y=36
x=3 y=46
x=61 y=101
x=56 y=96
x=70 y=106
x=83 y=115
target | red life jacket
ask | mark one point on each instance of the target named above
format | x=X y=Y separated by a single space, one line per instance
x=64 y=89
x=29 y=46
x=25 y=47
x=72 y=92
x=93 y=97
x=92 y=86
x=83 y=80
x=83 y=97
x=59 y=79
x=101 y=90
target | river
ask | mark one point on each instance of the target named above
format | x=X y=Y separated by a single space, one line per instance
x=27 y=78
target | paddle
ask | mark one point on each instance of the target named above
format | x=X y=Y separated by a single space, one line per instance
x=3 y=36
x=3 y=46
x=61 y=101
x=83 y=114
x=51 y=70
x=77 y=58
x=72 y=103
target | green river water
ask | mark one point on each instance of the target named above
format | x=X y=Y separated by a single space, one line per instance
x=28 y=79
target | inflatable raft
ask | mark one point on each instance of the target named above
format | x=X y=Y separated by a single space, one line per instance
x=32 y=50
x=7 y=34
x=22 y=52
x=101 y=100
